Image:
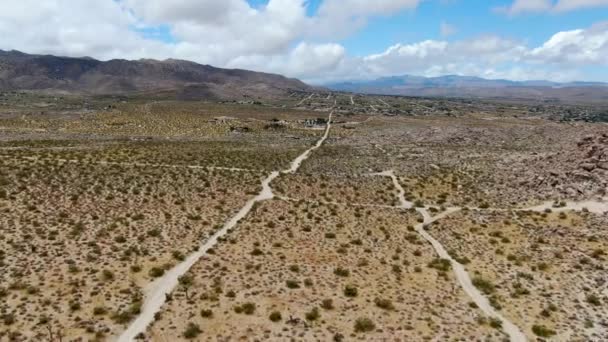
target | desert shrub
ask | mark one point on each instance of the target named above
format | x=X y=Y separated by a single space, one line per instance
x=246 y=308
x=327 y=304
x=593 y=300
x=292 y=284
x=442 y=265
x=74 y=306
x=107 y=275
x=542 y=331
x=122 y=317
x=206 y=313
x=385 y=304
x=177 y=255
x=275 y=316
x=483 y=285
x=313 y=315
x=8 y=319
x=364 y=325
x=192 y=331
x=341 y=272
x=495 y=323
x=350 y=291
x=99 y=310
x=156 y=272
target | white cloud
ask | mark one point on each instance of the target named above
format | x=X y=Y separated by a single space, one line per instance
x=577 y=47
x=304 y=61
x=97 y=28
x=522 y=6
x=531 y=6
x=417 y=57
x=559 y=58
x=339 y=18
x=280 y=37
x=570 y=5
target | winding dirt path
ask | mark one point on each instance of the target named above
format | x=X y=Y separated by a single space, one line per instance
x=513 y=331
x=295 y=164
x=155 y=293
x=515 y=334
x=404 y=204
x=305 y=99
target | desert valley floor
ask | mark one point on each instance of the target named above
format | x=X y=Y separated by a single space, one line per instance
x=322 y=216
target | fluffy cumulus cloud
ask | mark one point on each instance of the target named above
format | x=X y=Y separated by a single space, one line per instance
x=281 y=37
x=342 y=17
x=96 y=28
x=557 y=6
x=496 y=57
x=576 y=47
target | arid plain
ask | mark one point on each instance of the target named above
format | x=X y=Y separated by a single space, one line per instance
x=321 y=216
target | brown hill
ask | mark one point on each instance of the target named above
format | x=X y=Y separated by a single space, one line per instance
x=20 y=71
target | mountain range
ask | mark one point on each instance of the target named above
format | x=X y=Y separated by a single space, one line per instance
x=188 y=80
x=183 y=79
x=476 y=87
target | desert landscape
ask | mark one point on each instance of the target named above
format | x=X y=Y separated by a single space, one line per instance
x=320 y=216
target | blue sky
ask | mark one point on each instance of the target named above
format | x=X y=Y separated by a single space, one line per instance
x=470 y=18
x=328 y=40
x=477 y=17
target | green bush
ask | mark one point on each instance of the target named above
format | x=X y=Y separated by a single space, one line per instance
x=341 y=272
x=179 y=256
x=542 y=331
x=327 y=304
x=483 y=285
x=495 y=323
x=275 y=316
x=156 y=272
x=385 y=304
x=107 y=275
x=364 y=325
x=192 y=331
x=292 y=284
x=350 y=291
x=593 y=300
x=313 y=315
x=99 y=310
x=442 y=265
x=246 y=308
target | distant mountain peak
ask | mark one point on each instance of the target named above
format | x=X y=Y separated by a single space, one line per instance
x=477 y=87
x=21 y=71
